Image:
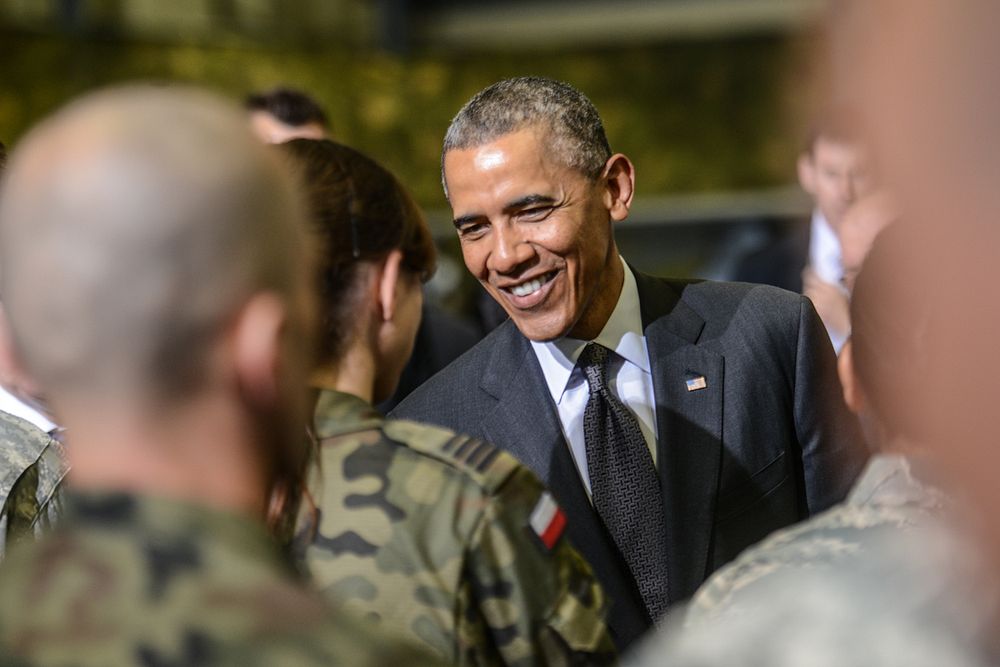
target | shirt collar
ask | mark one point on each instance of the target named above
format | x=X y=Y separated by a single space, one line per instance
x=622 y=333
x=824 y=250
x=13 y=405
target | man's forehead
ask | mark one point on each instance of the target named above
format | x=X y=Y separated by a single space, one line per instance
x=835 y=147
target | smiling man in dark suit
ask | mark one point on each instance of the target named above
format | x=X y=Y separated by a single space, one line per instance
x=676 y=422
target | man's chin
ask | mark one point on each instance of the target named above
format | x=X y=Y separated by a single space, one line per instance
x=539 y=332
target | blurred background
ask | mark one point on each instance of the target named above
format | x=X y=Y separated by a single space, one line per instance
x=708 y=97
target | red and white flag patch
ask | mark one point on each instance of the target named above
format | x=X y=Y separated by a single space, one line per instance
x=548 y=520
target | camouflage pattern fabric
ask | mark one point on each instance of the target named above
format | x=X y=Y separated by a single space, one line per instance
x=882 y=579
x=881 y=616
x=885 y=501
x=442 y=539
x=32 y=467
x=126 y=580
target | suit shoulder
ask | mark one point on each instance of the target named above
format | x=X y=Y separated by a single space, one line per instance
x=443 y=399
x=711 y=296
x=482 y=463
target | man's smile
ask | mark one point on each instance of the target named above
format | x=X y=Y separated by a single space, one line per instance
x=530 y=292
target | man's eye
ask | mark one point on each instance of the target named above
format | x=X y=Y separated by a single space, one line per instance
x=472 y=229
x=536 y=213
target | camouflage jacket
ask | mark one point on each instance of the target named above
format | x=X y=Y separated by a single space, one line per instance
x=881 y=579
x=32 y=467
x=445 y=540
x=886 y=500
x=126 y=580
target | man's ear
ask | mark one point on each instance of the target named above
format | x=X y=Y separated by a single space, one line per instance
x=257 y=347
x=854 y=396
x=12 y=371
x=387 y=283
x=619 y=179
x=807 y=172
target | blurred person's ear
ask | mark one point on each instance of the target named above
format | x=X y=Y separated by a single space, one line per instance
x=256 y=348
x=618 y=178
x=854 y=395
x=806 y=170
x=12 y=371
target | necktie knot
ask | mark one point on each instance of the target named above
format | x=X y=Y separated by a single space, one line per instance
x=594 y=363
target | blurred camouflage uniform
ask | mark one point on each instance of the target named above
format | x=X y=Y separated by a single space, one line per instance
x=127 y=580
x=886 y=500
x=877 y=580
x=32 y=467
x=446 y=540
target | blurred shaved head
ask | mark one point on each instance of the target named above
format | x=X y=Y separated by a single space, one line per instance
x=133 y=224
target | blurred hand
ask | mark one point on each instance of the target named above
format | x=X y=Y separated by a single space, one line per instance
x=830 y=301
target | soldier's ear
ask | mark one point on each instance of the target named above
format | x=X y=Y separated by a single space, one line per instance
x=256 y=347
x=12 y=371
x=388 y=283
x=854 y=395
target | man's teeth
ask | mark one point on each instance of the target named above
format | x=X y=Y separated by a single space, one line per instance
x=530 y=287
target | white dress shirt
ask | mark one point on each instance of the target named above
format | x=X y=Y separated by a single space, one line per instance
x=13 y=405
x=824 y=250
x=826 y=260
x=630 y=376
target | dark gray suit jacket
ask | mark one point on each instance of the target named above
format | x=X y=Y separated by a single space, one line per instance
x=765 y=444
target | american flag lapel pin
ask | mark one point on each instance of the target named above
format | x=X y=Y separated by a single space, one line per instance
x=696 y=383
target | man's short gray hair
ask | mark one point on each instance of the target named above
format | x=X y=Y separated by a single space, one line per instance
x=573 y=128
x=134 y=224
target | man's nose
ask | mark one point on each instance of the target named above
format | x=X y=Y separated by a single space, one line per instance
x=848 y=189
x=510 y=250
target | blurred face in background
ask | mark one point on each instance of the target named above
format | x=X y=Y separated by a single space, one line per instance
x=835 y=174
x=270 y=130
x=858 y=229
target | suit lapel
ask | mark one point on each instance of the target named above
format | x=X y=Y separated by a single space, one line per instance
x=526 y=424
x=689 y=426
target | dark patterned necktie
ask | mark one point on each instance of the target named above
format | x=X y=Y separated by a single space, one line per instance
x=624 y=484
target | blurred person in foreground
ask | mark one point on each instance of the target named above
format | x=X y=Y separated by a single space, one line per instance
x=280 y=114
x=436 y=537
x=885 y=578
x=32 y=460
x=862 y=223
x=834 y=171
x=928 y=70
x=171 y=337
x=677 y=422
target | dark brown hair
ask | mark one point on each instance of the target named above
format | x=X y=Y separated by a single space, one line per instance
x=839 y=124
x=360 y=212
x=290 y=106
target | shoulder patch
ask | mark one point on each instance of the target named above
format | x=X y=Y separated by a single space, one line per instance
x=547 y=520
x=488 y=465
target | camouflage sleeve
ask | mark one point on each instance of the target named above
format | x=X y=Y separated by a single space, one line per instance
x=527 y=588
x=34 y=502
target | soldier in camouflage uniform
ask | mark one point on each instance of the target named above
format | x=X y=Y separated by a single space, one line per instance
x=436 y=537
x=32 y=462
x=883 y=578
x=894 y=494
x=172 y=339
